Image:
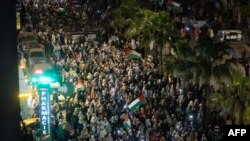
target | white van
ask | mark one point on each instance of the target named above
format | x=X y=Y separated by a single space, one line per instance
x=229 y=35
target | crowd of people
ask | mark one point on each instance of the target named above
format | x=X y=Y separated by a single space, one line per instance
x=106 y=81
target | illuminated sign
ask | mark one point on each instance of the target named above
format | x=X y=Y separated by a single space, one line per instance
x=44 y=97
x=18 y=21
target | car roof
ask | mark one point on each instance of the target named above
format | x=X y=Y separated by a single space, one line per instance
x=230 y=31
x=36 y=50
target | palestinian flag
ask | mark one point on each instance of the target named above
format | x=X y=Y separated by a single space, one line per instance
x=60 y=9
x=133 y=54
x=46 y=138
x=136 y=103
x=176 y=4
x=127 y=122
x=79 y=85
x=173 y=3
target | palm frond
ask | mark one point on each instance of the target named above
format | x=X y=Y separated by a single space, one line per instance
x=222 y=71
x=247 y=115
x=237 y=77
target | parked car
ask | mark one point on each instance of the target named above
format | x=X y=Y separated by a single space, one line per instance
x=229 y=35
x=29 y=40
x=36 y=55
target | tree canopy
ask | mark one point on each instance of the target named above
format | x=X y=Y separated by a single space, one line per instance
x=233 y=99
x=202 y=62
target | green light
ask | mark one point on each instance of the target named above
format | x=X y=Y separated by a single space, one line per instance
x=34 y=80
x=43 y=79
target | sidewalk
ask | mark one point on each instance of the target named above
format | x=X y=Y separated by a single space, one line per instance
x=24 y=93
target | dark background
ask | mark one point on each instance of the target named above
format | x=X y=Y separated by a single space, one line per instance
x=9 y=102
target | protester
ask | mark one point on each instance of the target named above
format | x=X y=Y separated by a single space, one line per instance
x=106 y=81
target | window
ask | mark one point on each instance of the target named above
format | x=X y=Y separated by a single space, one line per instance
x=36 y=54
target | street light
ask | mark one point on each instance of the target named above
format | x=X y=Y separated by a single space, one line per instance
x=45 y=79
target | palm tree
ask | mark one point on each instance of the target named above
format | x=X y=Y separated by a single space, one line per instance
x=204 y=62
x=156 y=26
x=179 y=58
x=241 y=97
x=234 y=99
x=123 y=14
x=244 y=61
